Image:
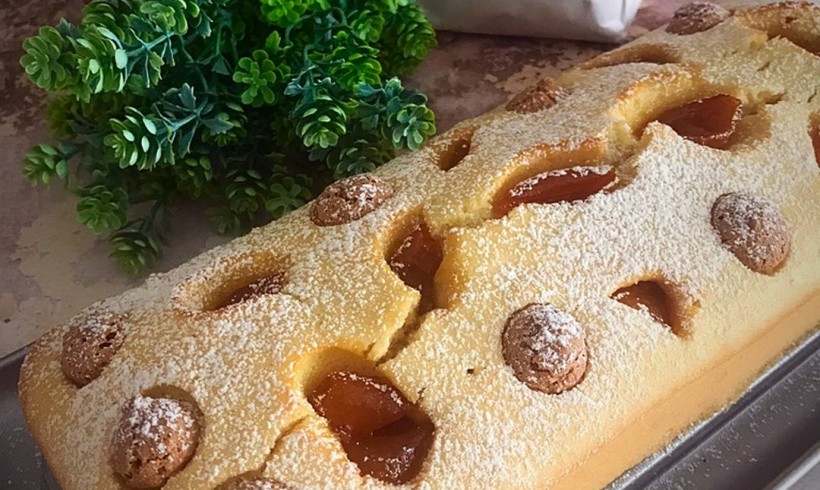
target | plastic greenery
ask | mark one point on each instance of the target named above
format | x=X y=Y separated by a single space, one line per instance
x=244 y=103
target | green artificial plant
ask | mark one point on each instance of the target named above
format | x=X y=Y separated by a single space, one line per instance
x=244 y=103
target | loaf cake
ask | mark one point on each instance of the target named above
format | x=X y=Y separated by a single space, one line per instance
x=539 y=298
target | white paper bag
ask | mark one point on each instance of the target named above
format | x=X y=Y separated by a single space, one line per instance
x=593 y=20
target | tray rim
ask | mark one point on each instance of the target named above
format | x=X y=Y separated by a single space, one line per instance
x=687 y=442
x=13 y=357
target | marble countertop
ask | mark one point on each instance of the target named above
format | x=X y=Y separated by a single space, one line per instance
x=51 y=266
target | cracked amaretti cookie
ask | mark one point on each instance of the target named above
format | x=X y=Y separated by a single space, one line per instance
x=539 y=298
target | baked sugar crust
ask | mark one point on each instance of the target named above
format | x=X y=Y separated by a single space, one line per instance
x=246 y=366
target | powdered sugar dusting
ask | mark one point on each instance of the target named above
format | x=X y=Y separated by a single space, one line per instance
x=349 y=199
x=753 y=229
x=697 y=17
x=555 y=333
x=156 y=437
x=95 y=321
x=257 y=484
x=244 y=366
x=747 y=213
x=148 y=411
x=150 y=417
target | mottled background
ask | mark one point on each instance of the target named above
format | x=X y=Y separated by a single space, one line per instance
x=51 y=266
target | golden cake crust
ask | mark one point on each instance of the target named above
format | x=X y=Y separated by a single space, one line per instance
x=245 y=367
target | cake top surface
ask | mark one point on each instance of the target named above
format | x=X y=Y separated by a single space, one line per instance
x=244 y=362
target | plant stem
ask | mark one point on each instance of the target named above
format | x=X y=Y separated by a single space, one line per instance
x=151 y=45
x=182 y=122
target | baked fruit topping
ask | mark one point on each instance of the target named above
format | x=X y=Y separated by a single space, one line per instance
x=155 y=439
x=349 y=199
x=254 y=484
x=753 y=229
x=791 y=20
x=272 y=284
x=545 y=347
x=538 y=97
x=382 y=432
x=710 y=122
x=454 y=153
x=658 y=54
x=416 y=261
x=814 y=134
x=697 y=17
x=89 y=344
x=648 y=296
x=563 y=185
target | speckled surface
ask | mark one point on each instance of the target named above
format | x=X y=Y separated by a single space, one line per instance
x=51 y=266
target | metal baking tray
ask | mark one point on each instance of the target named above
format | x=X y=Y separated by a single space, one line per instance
x=768 y=439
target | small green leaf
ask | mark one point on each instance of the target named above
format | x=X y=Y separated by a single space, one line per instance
x=221 y=66
x=44 y=162
x=121 y=58
x=217 y=126
x=149 y=125
x=134 y=247
x=184 y=145
x=61 y=169
x=186 y=95
x=101 y=209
